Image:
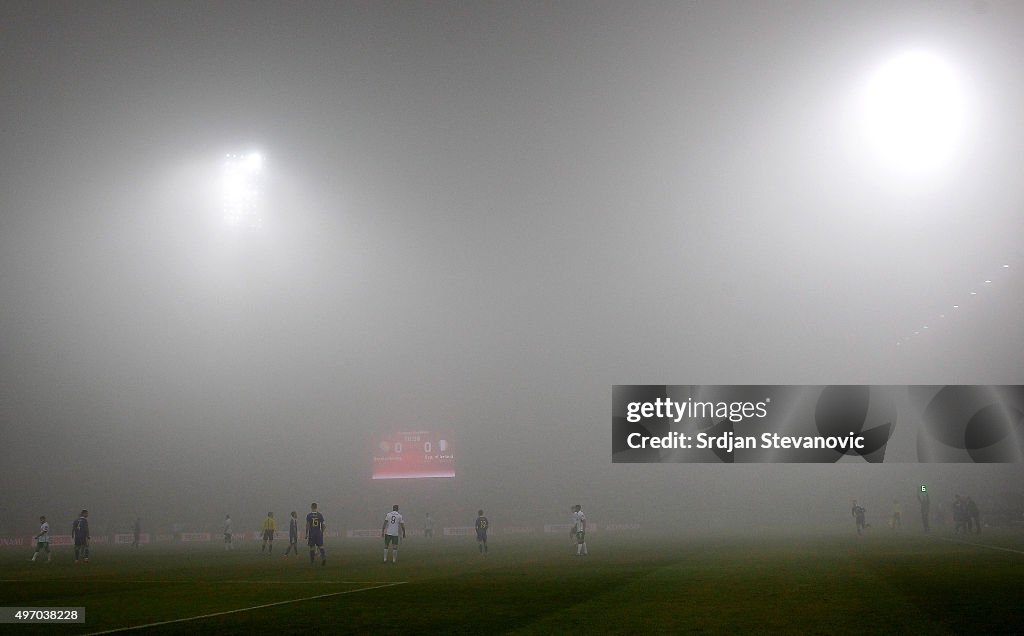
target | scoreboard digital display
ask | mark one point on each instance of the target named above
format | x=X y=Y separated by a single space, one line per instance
x=413 y=455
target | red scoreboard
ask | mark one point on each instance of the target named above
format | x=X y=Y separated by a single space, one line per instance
x=413 y=455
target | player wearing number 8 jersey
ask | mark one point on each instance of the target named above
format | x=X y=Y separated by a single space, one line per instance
x=394 y=526
x=315 y=534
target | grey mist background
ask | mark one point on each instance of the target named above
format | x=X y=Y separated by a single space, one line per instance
x=478 y=217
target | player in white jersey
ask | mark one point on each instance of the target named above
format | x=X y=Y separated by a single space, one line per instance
x=42 y=540
x=579 y=529
x=393 y=528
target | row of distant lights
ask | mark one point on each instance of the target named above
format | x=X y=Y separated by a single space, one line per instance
x=907 y=339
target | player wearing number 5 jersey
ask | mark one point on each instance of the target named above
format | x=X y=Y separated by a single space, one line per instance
x=394 y=526
x=481 y=526
x=315 y=534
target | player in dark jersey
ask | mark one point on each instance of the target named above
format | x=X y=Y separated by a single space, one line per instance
x=973 y=515
x=293 y=534
x=926 y=504
x=227 y=533
x=959 y=515
x=858 y=513
x=315 y=534
x=80 y=533
x=481 y=531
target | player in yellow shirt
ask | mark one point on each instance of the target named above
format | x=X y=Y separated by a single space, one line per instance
x=896 y=521
x=269 y=527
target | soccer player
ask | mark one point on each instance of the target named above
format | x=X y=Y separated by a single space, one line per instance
x=897 y=514
x=42 y=540
x=293 y=534
x=428 y=527
x=481 y=531
x=922 y=498
x=579 y=528
x=394 y=525
x=227 y=533
x=973 y=515
x=80 y=533
x=858 y=513
x=315 y=534
x=136 y=531
x=269 y=527
x=959 y=515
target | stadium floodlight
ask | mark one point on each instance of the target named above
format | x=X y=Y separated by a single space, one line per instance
x=914 y=111
x=241 y=190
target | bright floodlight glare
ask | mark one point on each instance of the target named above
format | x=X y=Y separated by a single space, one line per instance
x=240 y=188
x=914 y=112
x=253 y=163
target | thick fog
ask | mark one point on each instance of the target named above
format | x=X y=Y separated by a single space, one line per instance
x=478 y=217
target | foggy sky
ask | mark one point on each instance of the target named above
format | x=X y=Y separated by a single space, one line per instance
x=479 y=217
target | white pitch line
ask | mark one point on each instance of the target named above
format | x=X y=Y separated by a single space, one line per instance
x=244 y=609
x=275 y=582
x=193 y=581
x=306 y=582
x=982 y=545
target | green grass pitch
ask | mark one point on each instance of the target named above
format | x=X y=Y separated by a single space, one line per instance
x=883 y=582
